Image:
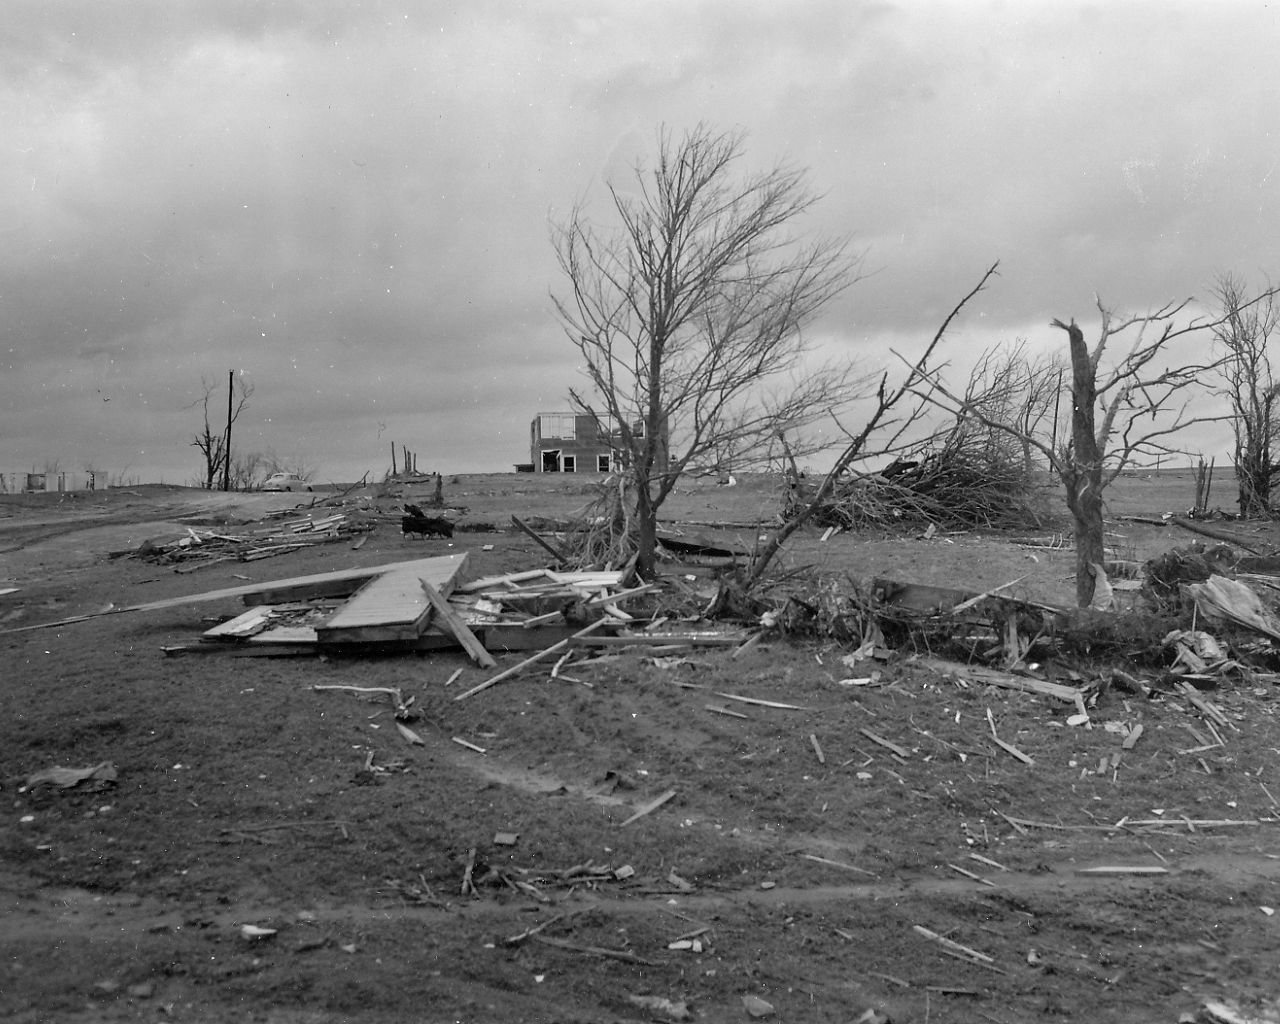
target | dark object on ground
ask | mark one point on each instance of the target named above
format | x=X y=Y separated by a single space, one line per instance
x=699 y=546
x=426 y=526
x=414 y=510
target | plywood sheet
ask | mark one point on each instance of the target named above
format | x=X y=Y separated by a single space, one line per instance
x=393 y=605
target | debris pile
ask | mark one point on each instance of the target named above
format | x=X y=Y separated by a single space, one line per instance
x=203 y=547
x=961 y=482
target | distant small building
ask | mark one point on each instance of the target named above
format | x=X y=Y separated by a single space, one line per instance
x=53 y=480
x=569 y=442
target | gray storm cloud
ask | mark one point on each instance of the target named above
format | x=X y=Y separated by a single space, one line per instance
x=350 y=205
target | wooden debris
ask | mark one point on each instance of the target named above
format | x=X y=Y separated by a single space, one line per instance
x=528 y=933
x=453 y=623
x=1005 y=680
x=649 y=808
x=887 y=744
x=556 y=553
x=1204 y=707
x=762 y=703
x=1123 y=870
x=748 y=646
x=946 y=943
x=725 y=711
x=817 y=749
x=409 y=734
x=969 y=874
x=1008 y=747
x=1131 y=740
x=966 y=605
x=470 y=746
x=453 y=678
x=613 y=954
x=839 y=864
x=515 y=669
x=985 y=860
x=468 y=886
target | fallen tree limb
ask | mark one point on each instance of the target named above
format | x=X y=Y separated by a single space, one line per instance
x=1223 y=535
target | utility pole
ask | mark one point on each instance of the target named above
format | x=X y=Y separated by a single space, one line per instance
x=226 y=451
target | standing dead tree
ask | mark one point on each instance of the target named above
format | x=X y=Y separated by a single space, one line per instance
x=690 y=316
x=213 y=446
x=1121 y=413
x=1243 y=336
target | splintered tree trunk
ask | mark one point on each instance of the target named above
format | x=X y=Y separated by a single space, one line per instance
x=647 y=532
x=1254 y=478
x=1084 y=482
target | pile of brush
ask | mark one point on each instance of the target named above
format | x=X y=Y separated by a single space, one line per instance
x=964 y=480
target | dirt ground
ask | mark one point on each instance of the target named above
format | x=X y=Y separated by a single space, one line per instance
x=812 y=865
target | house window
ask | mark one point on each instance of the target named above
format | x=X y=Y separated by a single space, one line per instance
x=602 y=463
x=559 y=425
x=551 y=461
x=570 y=463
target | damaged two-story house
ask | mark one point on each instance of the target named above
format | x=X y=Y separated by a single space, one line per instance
x=568 y=442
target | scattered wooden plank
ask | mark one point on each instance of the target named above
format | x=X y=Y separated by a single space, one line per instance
x=649 y=808
x=984 y=860
x=542 y=620
x=839 y=864
x=453 y=678
x=452 y=622
x=748 y=646
x=1131 y=740
x=1208 y=710
x=966 y=605
x=622 y=595
x=946 y=943
x=1109 y=870
x=559 y=555
x=409 y=734
x=887 y=744
x=969 y=874
x=817 y=749
x=553 y=649
x=1010 y=748
x=470 y=746
x=490 y=582
x=1006 y=680
x=725 y=711
x=762 y=703
x=613 y=954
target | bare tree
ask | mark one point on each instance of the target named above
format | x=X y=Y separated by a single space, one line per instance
x=213 y=446
x=690 y=316
x=1121 y=413
x=1012 y=386
x=1243 y=337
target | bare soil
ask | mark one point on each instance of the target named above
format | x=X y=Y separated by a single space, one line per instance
x=242 y=799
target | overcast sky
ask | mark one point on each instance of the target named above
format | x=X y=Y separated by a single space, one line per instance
x=349 y=203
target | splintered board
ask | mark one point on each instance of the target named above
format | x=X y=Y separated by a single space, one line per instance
x=392 y=605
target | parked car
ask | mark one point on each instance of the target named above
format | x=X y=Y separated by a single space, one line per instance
x=285 y=482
